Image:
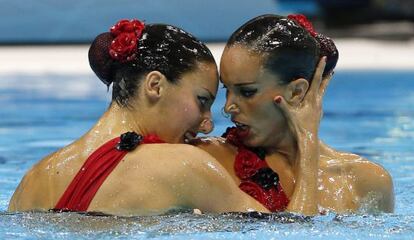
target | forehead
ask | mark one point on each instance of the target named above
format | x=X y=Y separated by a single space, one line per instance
x=204 y=75
x=239 y=64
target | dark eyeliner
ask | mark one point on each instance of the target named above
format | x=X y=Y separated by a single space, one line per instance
x=202 y=100
x=248 y=92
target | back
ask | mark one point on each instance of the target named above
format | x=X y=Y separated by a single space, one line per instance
x=152 y=179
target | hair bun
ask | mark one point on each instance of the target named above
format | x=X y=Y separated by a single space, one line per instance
x=328 y=49
x=99 y=58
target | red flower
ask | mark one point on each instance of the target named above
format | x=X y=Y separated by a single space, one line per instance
x=254 y=190
x=247 y=163
x=234 y=136
x=231 y=136
x=124 y=47
x=304 y=22
x=124 y=25
x=277 y=199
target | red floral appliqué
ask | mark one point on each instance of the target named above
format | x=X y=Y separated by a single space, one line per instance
x=124 y=47
x=247 y=163
x=254 y=190
x=257 y=179
x=304 y=22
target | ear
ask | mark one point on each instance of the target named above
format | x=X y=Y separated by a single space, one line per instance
x=296 y=91
x=154 y=85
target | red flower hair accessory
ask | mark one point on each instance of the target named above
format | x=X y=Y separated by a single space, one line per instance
x=126 y=32
x=303 y=22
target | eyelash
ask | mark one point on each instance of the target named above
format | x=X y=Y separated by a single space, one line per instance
x=203 y=101
x=248 y=92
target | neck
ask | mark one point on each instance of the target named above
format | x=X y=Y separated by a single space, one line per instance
x=287 y=147
x=117 y=120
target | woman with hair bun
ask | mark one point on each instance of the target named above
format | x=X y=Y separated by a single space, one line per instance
x=132 y=161
x=273 y=69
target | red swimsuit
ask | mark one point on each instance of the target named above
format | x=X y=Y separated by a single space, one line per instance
x=97 y=168
x=256 y=177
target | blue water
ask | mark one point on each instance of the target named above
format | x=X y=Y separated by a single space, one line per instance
x=368 y=113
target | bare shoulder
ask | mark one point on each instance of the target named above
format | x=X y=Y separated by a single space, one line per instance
x=370 y=176
x=26 y=195
x=216 y=146
x=370 y=179
x=365 y=171
x=174 y=159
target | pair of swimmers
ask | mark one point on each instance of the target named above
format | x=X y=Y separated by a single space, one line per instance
x=136 y=159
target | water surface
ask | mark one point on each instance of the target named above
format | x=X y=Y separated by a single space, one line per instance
x=365 y=112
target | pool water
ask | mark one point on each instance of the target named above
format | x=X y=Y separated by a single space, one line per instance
x=365 y=112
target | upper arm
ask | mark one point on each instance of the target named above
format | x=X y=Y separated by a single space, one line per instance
x=375 y=186
x=23 y=199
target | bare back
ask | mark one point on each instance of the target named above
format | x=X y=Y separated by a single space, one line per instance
x=152 y=179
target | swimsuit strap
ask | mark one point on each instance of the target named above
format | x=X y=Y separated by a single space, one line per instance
x=97 y=168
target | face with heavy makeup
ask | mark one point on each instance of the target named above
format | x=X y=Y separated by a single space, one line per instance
x=184 y=108
x=251 y=93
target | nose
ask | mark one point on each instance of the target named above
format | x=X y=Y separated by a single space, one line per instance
x=230 y=107
x=206 y=126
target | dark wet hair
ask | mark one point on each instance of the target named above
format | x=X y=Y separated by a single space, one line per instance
x=163 y=48
x=291 y=51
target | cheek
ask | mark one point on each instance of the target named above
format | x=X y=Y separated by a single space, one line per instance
x=188 y=114
x=268 y=115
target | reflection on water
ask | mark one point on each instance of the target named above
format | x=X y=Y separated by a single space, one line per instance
x=367 y=113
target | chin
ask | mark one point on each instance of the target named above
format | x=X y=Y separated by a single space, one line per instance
x=252 y=141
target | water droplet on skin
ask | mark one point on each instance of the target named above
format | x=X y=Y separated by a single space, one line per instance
x=213 y=167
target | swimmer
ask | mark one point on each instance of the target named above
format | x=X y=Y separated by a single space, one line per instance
x=275 y=70
x=133 y=161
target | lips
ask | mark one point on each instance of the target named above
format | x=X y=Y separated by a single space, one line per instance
x=242 y=129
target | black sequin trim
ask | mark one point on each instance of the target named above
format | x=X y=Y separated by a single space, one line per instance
x=129 y=141
x=266 y=178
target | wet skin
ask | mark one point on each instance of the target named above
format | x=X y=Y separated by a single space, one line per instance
x=314 y=176
x=153 y=178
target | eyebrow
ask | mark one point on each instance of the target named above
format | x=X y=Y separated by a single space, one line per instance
x=236 y=85
x=243 y=84
x=210 y=94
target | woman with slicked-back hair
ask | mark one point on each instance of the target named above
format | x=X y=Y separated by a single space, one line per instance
x=275 y=70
